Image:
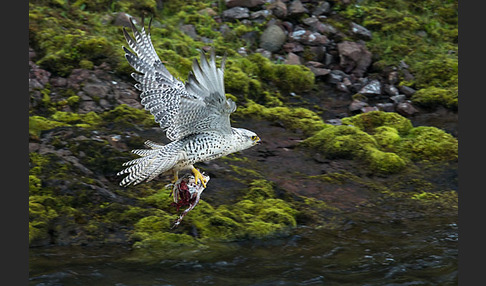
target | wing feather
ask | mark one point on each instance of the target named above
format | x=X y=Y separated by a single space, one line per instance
x=181 y=109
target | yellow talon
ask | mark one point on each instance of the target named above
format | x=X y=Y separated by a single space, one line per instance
x=198 y=176
x=176 y=177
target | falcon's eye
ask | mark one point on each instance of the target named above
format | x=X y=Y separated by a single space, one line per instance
x=254 y=138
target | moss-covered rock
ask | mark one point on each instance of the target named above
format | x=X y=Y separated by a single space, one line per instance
x=385 y=162
x=37 y=124
x=387 y=138
x=434 y=96
x=125 y=116
x=342 y=142
x=385 y=141
x=368 y=121
x=297 y=118
x=425 y=143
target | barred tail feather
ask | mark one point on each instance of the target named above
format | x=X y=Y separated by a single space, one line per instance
x=152 y=163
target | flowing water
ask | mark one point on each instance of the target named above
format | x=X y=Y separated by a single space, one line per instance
x=412 y=252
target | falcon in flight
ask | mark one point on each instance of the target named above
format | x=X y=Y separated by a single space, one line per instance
x=195 y=115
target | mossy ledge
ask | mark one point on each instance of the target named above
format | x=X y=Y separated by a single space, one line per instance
x=387 y=142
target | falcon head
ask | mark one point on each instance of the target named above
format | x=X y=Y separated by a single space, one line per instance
x=245 y=138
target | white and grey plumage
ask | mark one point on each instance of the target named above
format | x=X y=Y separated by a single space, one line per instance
x=195 y=115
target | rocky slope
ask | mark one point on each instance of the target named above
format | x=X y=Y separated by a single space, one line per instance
x=334 y=94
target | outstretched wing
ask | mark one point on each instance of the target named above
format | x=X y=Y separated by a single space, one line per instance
x=181 y=109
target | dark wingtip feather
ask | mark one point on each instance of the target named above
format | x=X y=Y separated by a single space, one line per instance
x=132 y=25
x=149 y=25
x=128 y=38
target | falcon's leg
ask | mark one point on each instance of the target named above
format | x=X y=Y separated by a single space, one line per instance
x=198 y=176
x=176 y=176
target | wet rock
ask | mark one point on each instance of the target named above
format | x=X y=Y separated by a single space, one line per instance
x=189 y=30
x=261 y=15
x=407 y=76
x=317 y=53
x=41 y=75
x=328 y=59
x=242 y=51
x=336 y=76
x=311 y=21
x=58 y=82
x=278 y=8
x=388 y=107
x=77 y=77
x=88 y=106
x=298 y=34
x=369 y=109
x=293 y=59
x=398 y=98
x=287 y=26
x=265 y=53
x=34 y=84
x=393 y=77
x=372 y=88
x=325 y=29
x=272 y=38
x=342 y=87
x=323 y=8
x=354 y=57
x=314 y=64
x=244 y=3
x=360 y=32
x=315 y=39
x=357 y=105
x=334 y=121
x=406 y=108
x=408 y=91
x=293 y=47
x=96 y=90
x=307 y=37
x=318 y=72
x=236 y=13
x=296 y=8
x=390 y=89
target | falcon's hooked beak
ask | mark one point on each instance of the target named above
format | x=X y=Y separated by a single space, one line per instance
x=256 y=140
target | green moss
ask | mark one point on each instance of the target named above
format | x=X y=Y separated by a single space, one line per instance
x=86 y=64
x=342 y=141
x=430 y=144
x=295 y=78
x=34 y=184
x=260 y=190
x=152 y=224
x=434 y=96
x=43 y=210
x=261 y=229
x=369 y=121
x=124 y=115
x=440 y=71
x=385 y=162
x=387 y=138
x=235 y=80
x=37 y=124
x=292 y=118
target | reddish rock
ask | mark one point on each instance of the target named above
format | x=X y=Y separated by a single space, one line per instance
x=355 y=58
x=293 y=59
